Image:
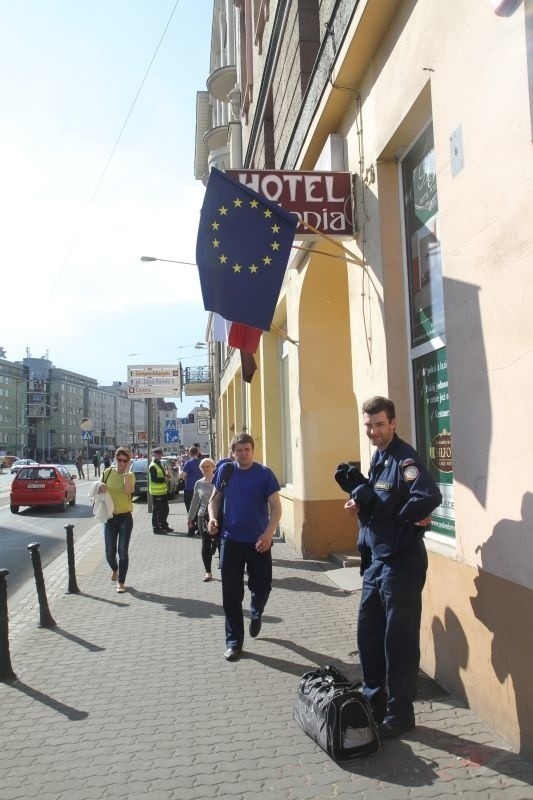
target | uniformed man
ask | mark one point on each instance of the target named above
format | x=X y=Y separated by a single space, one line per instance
x=393 y=509
x=158 y=488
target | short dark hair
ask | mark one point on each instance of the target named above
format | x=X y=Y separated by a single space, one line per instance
x=374 y=405
x=194 y=451
x=242 y=438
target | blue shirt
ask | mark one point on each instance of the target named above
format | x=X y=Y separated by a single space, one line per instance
x=193 y=473
x=245 y=502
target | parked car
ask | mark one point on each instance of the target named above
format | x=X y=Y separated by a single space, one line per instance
x=42 y=485
x=22 y=462
x=140 y=469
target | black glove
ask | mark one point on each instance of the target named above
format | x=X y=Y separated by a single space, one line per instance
x=349 y=477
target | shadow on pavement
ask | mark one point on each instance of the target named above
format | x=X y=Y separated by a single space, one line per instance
x=93 y=648
x=116 y=603
x=303 y=585
x=71 y=713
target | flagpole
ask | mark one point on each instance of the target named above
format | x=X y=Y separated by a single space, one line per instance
x=282 y=334
x=345 y=257
x=349 y=256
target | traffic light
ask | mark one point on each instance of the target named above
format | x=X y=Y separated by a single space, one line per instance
x=191 y=416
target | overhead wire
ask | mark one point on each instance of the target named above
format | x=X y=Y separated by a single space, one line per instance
x=113 y=151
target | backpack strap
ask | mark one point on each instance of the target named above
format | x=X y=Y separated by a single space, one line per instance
x=227 y=472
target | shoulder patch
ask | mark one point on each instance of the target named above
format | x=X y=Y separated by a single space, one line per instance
x=410 y=473
x=407 y=461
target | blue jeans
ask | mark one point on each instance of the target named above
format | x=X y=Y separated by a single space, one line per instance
x=388 y=633
x=117 y=534
x=234 y=558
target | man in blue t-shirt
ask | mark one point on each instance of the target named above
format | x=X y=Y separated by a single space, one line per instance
x=191 y=473
x=249 y=495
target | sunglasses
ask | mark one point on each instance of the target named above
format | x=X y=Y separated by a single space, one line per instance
x=125 y=460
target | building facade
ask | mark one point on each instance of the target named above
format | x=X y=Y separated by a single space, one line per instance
x=42 y=409
x=429 y=106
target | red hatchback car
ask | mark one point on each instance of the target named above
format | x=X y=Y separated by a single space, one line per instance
x=42 y=485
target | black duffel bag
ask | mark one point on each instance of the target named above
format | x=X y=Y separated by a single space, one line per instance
x=335 y=714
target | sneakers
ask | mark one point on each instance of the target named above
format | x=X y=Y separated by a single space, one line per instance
x=255 y=627
x=120 y=588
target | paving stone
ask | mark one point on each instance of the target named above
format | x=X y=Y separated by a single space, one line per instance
x=133 y=699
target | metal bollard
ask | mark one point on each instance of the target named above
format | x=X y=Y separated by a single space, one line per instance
x=6 y=672
x=72 y=585
x=45 y=619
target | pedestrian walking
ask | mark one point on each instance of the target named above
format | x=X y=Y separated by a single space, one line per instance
x=393 y=507
x=96 y=465
x=191 y=473
x=120 y=483
x=249 y=494
x=203 y=489
x=79 y=466
x=158 y=488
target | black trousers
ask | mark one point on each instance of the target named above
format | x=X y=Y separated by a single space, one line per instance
x=388 y=633
x=235 y=557
x=159 y=511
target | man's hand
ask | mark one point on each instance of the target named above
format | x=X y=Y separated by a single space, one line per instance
x=423 y=522
x=264 y=543
x=212 y=527
x=352 y=508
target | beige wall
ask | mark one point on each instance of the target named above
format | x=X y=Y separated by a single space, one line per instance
x=477 y=649
x=462 y=66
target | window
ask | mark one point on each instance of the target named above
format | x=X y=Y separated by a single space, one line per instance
x=427 y=323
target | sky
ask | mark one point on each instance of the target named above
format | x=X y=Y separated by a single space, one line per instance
x=79 y=210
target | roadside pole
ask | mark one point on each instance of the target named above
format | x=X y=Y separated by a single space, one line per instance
x=149 y=411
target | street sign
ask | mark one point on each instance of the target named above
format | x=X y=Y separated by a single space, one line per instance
x=171 y=437
x=86 y=424
x=154 y=381
x=203 y=425
x=171 y=424
x=202 y=412
x=142 y=436
x=87 y=435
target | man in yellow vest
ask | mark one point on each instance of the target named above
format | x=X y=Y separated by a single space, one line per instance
x=158 y=488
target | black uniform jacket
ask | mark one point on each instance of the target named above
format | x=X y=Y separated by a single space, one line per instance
x=400 y=491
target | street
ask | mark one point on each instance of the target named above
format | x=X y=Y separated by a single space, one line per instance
x=43 y=525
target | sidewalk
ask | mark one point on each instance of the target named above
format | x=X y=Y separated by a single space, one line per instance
x=130 y=696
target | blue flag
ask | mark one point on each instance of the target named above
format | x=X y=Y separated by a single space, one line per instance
x=242 y=250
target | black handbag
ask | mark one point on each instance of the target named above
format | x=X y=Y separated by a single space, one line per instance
x=335 y=714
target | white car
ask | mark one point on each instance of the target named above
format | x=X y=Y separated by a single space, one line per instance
x=22 y=462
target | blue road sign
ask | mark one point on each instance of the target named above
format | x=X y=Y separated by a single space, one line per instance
x=87 y=435
x=171 y=437
x=171 y=425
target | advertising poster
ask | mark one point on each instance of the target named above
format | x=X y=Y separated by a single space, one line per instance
x=433 y=432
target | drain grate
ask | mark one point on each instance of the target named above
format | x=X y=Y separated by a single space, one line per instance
x=427 y=688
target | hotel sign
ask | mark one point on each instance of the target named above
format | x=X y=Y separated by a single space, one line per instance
x=322 y=199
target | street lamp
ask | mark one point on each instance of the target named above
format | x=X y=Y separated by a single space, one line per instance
x=169 y=260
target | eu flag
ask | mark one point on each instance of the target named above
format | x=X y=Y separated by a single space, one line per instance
x=242 y=251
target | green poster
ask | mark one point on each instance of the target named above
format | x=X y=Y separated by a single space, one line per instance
x=433 y=431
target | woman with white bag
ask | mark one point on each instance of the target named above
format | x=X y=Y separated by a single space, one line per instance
x=118 y=482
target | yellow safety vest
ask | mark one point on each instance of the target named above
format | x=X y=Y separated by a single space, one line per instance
x=157 y=489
